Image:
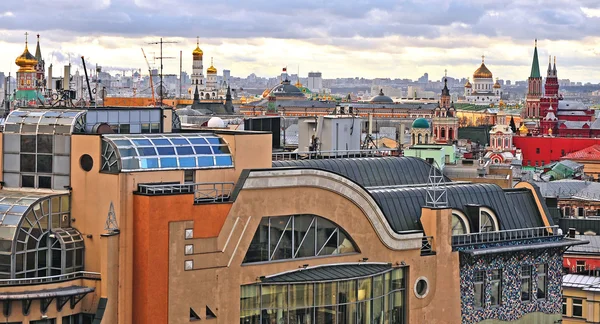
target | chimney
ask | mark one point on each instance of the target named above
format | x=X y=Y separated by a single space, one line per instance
x=572 y=232
x=67 y=77
x=50 y=85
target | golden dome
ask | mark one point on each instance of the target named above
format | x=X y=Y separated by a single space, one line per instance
x=211 y=69
x=482 y=72
x=496 y=85
x=523 y=129
x=468 y=84
x=197 y=53
x=26 y=61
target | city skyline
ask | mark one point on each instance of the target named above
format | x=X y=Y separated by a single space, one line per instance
x=368 y=39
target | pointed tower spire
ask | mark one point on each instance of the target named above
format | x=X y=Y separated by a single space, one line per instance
x=554 y=69
x=38 y=52
x=535 y=65
x=549 y=65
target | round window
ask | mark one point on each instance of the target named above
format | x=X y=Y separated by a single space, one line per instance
x=86 y=162
x=421 y=287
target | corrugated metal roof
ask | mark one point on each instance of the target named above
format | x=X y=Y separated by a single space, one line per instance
x=329 y=273
x=568 y=188
x=371 y=172
x=593 y=247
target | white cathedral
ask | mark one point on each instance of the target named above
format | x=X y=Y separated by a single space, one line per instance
x=209 y=88
x=483 y=90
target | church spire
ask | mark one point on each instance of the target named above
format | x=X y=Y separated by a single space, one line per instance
x=554 y=69
x=535 y=65
x=549 y=66
x=38 y=52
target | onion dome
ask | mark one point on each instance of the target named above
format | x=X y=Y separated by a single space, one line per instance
x=468 y=84
x=211 y=69
x=26 y=61
x=496 y=85
x=523 y=129
x=482 y=72
x=381 y=98
x=197 y=53
x=420 y=123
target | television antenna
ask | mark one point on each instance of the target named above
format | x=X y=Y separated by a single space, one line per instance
x=161 y=57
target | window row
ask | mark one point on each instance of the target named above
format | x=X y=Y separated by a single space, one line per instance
x=492 y=281
x=378 y=299
x=297 y=236
x=485 y=222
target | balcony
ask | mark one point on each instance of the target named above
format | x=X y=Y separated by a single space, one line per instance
x=505 y=236
x=315 y=155
x=205 y=192
x=50 y=279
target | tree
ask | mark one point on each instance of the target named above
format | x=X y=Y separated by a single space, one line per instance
x=512 y=125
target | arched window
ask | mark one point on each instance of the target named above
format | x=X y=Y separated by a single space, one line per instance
x=450 y=133
x=413 y=139
x=426 y=138
x=297 y=236
x=420 y=138
x=487 y=220
x=460 y=223
x=41 y=242
x=443 y=133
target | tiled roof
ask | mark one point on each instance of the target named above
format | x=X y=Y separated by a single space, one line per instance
x=588 y=153
x=574 y=124
x=566 y=189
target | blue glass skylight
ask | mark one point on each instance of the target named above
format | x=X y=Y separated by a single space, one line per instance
x=142 y=152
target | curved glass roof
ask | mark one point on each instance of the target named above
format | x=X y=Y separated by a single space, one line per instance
x=45 y=121
x=144 y=152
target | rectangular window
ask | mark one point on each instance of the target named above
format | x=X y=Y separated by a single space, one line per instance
x=537 y=150
x=188 y=176
x=542 y=283
x=124 y=129
x=577 y=307
x=564 y=308
x=496 y=285
x=526 y=283
x=580 y=266
x=479 y=285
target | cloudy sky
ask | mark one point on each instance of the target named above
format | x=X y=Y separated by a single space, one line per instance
x=341 y=38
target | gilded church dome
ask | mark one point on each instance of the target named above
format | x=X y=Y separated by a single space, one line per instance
x=482 y=72
x=197 y=53
x=26 y=61
x=468 y=84
x=211 y=69
x=497 y=85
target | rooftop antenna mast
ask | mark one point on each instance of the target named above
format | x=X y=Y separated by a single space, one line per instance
x=437 y=193
x=161 y=42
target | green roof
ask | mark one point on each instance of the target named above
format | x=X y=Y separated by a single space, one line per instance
x=420 y=123
x=535 y=66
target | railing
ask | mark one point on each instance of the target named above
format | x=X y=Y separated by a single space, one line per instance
x=427 y=245
x=203 y=192
x=50 y=279
x=312 y=155
x=503 y=236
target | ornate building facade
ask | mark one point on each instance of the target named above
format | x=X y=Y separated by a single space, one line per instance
x=445 y=122
x=483 y=90
x=27 y=93
x=209 y=87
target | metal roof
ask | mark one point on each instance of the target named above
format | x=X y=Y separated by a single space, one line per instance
x=371 y=172
x=593 y=247
x=526 y=247
x=47 y=293
x=579 y=281
x=515 y=209
x=329 y=273
x=570 y=189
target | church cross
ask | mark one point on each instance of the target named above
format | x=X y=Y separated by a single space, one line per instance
x=26 y=34
x=482 y=58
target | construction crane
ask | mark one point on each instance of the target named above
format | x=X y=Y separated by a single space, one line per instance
x=150 y=73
